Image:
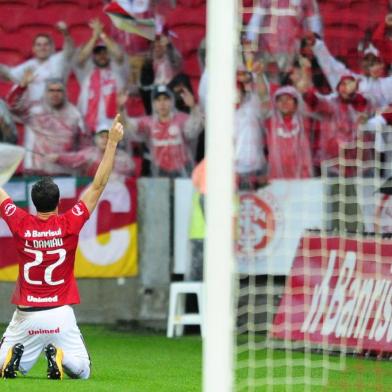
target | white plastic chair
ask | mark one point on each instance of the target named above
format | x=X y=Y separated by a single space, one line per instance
x=177 y=317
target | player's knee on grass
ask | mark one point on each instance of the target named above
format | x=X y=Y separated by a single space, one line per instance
x=77 y=367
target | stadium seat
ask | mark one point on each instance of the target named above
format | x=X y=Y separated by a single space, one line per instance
x=182 y=16
x=368 y=14
x=71 y=13
x=80 y=33
x=191 y=65
x=16 y=41
x=98 y=4
x=177 y=317
x=11 y=56
x=342 y=39
x=29 y=31
x=80 y=4
x=190 y=3
x=334 y=14
x=28 y=3
x=13 y=15
x=187 y=38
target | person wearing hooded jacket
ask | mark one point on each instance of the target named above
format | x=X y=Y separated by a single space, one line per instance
x=52 y=125
x=342 y=146
x=167 y=133
x=372 y=82
x=288 y=129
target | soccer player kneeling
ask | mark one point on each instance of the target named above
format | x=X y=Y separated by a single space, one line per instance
x=46 y=244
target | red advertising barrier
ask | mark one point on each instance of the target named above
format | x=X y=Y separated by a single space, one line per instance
x=339 y=293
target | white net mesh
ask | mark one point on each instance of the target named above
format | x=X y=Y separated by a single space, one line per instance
x=313 y=283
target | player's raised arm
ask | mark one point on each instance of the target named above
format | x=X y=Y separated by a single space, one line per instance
x=94 y=191
x=3 y=195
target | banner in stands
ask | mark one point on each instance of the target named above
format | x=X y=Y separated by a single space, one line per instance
x=272 y=222
x=339 y=292
x=107 y=242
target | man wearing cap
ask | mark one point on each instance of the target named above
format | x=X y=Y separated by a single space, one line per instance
x=53 y=125
x=168 y=134
x=371 y=82
x=87 y=160
x=101 y=68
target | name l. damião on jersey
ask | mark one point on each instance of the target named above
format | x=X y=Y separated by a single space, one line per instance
x=53 y=243
x=355 y=308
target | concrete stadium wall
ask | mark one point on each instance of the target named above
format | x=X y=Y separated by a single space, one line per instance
x=143 y=299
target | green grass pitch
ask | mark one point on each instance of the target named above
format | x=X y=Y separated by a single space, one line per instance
x=147 y=362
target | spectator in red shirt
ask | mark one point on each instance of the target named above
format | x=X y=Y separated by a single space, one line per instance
x=289 y=153
x=168 y=133
x=342 y=145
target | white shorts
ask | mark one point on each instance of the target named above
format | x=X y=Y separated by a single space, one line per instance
x=37 y=329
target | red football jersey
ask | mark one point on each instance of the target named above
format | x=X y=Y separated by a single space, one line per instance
x=46 y=255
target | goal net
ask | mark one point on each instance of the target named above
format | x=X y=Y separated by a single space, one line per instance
x=310 y=206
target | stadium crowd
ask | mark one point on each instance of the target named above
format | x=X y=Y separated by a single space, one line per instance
x=300 y=111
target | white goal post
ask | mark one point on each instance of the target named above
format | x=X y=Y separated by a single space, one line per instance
x=222 y=35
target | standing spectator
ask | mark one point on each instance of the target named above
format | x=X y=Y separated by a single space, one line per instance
x=168 y=133
x=46 y=63
x=166 y=60
x=342 y=145
x=87 y=160
x=102 y=71
x=8 y=132
x=177 y=85
x=276 y=28
x=249 y=144
x=288 y=129
x=372 y=82
x=53 y=125
x=161 y=67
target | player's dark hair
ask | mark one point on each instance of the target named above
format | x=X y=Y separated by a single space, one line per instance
x=45 y=195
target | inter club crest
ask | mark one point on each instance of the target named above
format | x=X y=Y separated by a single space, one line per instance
x=9 y=209
x=260 y=222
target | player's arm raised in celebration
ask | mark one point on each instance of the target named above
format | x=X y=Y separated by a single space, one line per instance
x=3 y=195
x=94 y=191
